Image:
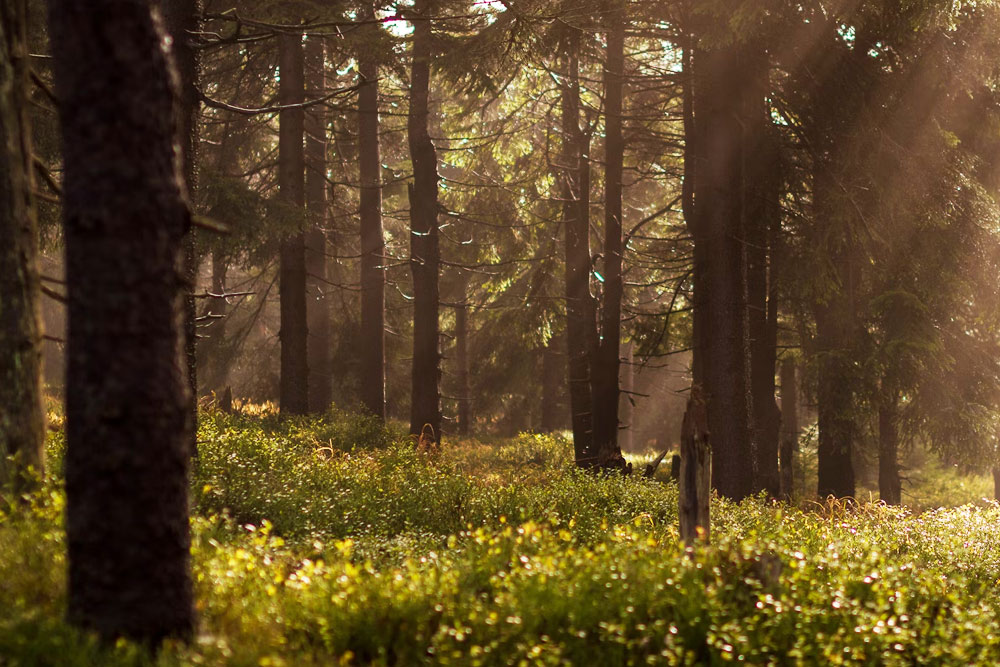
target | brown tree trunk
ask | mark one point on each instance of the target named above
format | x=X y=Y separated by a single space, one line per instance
x=627 y=410
x=890 y=488
x=22 y=411
x=605 y=369
x=425 y=409
x=372 y=239
x=996 y=484
x=695 y=488
x=698 y=271
x=294 y=391
x=462 y=360
x=789 y=426
x=719 y=193
x=214 y=349
x=319 y=343
x=128 y=403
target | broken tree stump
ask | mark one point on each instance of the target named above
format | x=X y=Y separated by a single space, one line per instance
x=696 y=471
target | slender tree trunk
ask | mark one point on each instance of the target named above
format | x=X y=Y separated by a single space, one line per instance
x=719 y=229
x=699 y=269
x=552 y=371
x=462 y=359
x=319 y=343
x=425 y=410
x=996 y=484
x=695 y=474
x=128 y=403
x=294 y=393
x=22 y=411
x=372 y=240
x=607 y=360
x=789 y=426
x=216 y=340
x=889 y=484
x=627 y=436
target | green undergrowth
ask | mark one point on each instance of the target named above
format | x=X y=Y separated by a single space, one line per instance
x=312 y=547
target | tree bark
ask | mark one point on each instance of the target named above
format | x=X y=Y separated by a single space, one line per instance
x=627 y=410
x=22 y=411
x=789 y=426
x=425 y=409
x=890 y=488
x=719 y=193
x=372 y=239
x=294 y=390
x=695 y=472
x=214 y=348
x=319 y=343
x=607 y=362
x=128 y=403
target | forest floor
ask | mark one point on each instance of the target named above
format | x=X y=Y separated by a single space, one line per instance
x=332 y=541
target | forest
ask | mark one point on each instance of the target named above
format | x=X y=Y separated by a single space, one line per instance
x=499 y=332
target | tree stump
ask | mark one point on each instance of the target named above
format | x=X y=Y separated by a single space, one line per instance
x=696 y=471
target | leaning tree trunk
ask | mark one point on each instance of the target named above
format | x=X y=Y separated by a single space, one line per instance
x=890 y=489
x=22 y=412
x=372 y=239
x=128 y=403
x=607 y=362
x=425 y=409
x=789 y=426
x=294 y=390
x=319 y=344
x=719 y=195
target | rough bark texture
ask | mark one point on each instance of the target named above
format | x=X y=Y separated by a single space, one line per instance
x=372 y=239
x=294 y=390
x=719 y=192
x=789 y=426
x=319 y=344
x=890 y=487
x=695 y=472
x=425 y=409
x=22 y=412
x=605 y=368
x=128 y=404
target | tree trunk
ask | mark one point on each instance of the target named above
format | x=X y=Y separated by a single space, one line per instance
x=294 y=391
x=695 y=472
x=462 y=359
x=215 y=342
x=699 y=270
x=425 y=410
x=580 y=322
x=128 y=403
x=372 y=240
x=627 y=410
x=719 y=195
x=319 y=343
x=996 y=484
x=889 y=485
x=789 y=426
x=22 y=410
x=604 y=378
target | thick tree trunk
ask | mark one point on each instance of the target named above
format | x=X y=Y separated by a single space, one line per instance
x=425 y=409
x=22 y=411
x=462 y=360
x=719 y=194
x=789 y=426
x=890 y=487
x=128 y=403
x=294 y=334
x=580 y=312
x=695 y=472
x=604 y=379
x=372 y=239
x=319 y=343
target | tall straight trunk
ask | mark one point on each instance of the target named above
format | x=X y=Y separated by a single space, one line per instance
x=762 y=214
x=719 y=193
x=372 y=239
x=319 y=344
x=889 y=483
x=462 y=360
x=698 y=271
x=183 y=20
x=128 y=403
x=996 y=484
x=22 y=412
x=552 y=371
x=580 y=322
x=627 y=410
x=216 y=339
x=604 y=378
x=294 y=390
x=789 y=425
x=425 y=408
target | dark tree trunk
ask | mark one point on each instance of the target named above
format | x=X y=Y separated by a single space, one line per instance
x=719 y=193
x=627 y=410
x=789 y=426
x=425 y=410
x=183 y=21
x=320 y=346
x=606 y=365
x=372 y=239
x=294 y=391
x=890 y=487
x=22 y=411
x=128 y=403
x=552 y=372
x=462 y=360
x=762 y=214
x=580 y=312
x=695 y=472
x=699 y=270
